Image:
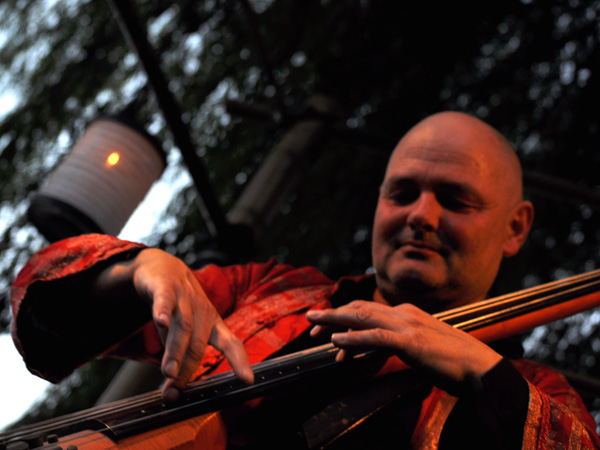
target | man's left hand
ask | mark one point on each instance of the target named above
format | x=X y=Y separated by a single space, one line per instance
x=453 y=358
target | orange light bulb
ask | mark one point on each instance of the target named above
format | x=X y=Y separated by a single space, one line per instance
x=113 y=159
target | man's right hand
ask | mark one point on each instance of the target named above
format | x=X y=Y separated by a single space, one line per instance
x=184 y=316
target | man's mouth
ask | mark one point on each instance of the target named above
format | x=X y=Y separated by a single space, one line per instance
x=419 y=246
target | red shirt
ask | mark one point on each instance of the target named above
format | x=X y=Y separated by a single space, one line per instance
x=264 y=304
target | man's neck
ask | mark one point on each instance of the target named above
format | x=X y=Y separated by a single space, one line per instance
x=378 y=298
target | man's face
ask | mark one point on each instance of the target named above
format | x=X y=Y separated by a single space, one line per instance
x=442 y=218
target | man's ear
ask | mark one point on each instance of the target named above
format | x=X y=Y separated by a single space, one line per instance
x=517 y=228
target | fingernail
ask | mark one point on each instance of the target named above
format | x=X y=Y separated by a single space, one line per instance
x=249 y=377
x=170 y=394
x=338 y=338
x=163 y=320
x=171 y=369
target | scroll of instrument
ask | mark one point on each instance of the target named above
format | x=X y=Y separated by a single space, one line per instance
x=144 y=421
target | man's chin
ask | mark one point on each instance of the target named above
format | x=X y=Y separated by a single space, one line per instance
x=413 y=288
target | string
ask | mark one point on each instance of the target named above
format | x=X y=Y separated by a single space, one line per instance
x=524 y=295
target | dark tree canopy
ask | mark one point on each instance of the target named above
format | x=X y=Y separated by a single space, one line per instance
x=529 y=68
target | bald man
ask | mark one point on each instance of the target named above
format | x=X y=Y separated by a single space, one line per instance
x=450 y=209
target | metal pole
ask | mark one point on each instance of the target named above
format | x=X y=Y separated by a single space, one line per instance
x=131 y=27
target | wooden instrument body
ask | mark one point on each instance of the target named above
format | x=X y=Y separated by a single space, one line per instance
x=207 y=431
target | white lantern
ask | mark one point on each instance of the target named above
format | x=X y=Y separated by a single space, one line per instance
x=99 y=183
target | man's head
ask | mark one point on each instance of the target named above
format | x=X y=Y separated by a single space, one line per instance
x=450 y=208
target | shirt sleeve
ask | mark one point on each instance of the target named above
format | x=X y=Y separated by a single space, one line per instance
x=556 y=415
x=498 y=409
x=529 y=408
x=58 y=325
x=50 y=297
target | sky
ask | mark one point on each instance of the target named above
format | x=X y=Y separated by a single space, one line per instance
x=8 y=101
x=19 y=389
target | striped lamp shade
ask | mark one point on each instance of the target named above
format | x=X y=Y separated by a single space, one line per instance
x=99 y=183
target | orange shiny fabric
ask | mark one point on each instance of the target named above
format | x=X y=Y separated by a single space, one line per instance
x=263 y=303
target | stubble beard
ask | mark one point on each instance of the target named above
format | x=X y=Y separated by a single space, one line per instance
x=429 y=288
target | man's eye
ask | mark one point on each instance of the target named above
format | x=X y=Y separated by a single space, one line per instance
x=403 y=197
x=453 y=203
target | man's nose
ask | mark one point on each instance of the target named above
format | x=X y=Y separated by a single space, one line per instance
x=425 y=213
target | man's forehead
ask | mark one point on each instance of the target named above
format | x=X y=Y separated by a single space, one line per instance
x=453 y=139
x=434 y=156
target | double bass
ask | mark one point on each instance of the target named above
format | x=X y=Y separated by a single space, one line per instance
x=145 y=421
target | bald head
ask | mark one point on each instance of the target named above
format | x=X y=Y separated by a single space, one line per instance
x=449 y=130
x=445 y=132
x=450 y=209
